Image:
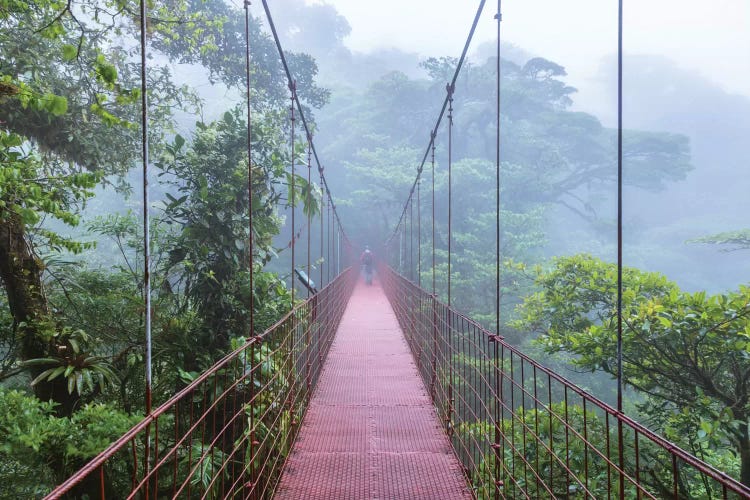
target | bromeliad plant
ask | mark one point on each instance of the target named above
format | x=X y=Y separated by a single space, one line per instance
x=73 y=363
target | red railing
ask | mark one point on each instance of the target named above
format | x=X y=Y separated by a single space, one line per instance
x=523 y=431
x=228 y=433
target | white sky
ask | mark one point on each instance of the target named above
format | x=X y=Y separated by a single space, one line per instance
x=711 y=37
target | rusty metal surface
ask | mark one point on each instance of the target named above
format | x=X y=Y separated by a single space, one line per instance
x=370 y=430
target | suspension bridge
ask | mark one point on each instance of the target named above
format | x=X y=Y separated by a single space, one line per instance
x=384 y=390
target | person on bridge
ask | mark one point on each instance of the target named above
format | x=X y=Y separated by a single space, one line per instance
x=366 y=259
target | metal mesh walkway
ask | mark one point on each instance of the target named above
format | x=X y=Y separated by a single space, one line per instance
x=370 y=430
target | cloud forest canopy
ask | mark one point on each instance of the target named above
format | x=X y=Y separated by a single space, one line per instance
x=71 y=312
x=71 y=315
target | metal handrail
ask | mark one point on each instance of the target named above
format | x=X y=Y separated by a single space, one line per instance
x=494 y=399
x=228 y=438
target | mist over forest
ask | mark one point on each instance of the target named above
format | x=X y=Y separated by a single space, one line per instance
x=71 y=237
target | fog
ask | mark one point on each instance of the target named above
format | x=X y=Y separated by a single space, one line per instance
x=237 y=208
x=710 y=39
x=686 y=72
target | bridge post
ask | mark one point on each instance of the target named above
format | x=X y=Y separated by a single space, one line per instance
x=451 y=400
x=433 y=379
x=309 y=342
x=251 y=484
x=292 y=379
x=497 y=446
x=411 y=336
x=322 y=315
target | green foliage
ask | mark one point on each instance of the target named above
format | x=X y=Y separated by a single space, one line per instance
x=215 y=39
x=553 y=155
x=688 y=352
x=70 y=90
x=734 y=240
x=73 y=363
x=550 y=156
x=39 y=449
x=551 y=451
x=382 y=182
x=209 y=254
x=31 y=189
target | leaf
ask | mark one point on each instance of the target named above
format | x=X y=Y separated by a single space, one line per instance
x=664 y=322
x=40 y=361
x=87 y=378
x=69 y=52
x=41 y=376
x=56 y=373
x=57 y=105
x=106 y=71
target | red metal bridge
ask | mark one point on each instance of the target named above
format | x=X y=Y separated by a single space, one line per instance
x=385 y=391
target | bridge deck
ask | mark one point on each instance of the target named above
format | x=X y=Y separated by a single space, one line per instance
x=370 y=430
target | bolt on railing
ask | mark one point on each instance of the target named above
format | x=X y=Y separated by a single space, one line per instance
x=229 y=432
x=522 y=431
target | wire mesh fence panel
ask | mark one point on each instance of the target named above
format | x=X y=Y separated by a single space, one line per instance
x=229 y=432
x=522 y=431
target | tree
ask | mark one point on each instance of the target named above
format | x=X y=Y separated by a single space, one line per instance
x=70 y=85
x=559 y=156
x=31 y=190
x=34 y=439
x=219 y=46
x=66 y=123
x=687 y=352
x=208 y=253
x=735 y=240
x=69 y=122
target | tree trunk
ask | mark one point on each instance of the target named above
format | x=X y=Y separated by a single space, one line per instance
x=21 y=274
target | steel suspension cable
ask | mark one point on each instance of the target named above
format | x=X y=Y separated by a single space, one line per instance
x=498 y=355
x=308 y=270
x=146 y=215
x=419 y=234
x=292 y=188
x=298 y=104
x=459 y=66
x=433 y=380
x=450 y=88
x=251 y=240
x=432 y=143
x=620 y=448
x=322 y=224
x=619 y=207
x=498 y=261
x=411 y=240
x=146 y=239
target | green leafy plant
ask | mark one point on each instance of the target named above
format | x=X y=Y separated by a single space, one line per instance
x=688 y=353
x=80 y=369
